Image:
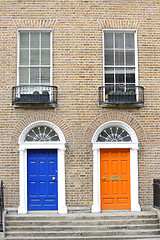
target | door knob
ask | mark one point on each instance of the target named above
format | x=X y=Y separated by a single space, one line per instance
x=53 y=178
x=103 y=178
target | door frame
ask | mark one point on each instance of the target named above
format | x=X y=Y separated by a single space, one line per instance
x=133 y=146
x=24 y=146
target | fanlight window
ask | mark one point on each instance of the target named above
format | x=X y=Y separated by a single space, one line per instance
x=41 y=134
x=114 y=134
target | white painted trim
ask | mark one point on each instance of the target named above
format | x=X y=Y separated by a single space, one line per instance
x=23 y=147
x=18 y=57
x=115 y=145
x=35 y=29
x=119 y=30
x=103 y=58
x=133 y=146
x=96 y=181
x=61 y=181
x=121 y=124
x=136 y=59
x=51 y=63
x=40 y=123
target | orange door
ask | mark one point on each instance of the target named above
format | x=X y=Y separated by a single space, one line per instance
x=115 y=179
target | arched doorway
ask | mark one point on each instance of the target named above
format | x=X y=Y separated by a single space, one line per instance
x=115 y=154
x=42 y=167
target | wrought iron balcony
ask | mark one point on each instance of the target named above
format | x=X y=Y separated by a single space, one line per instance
x=34 y=94
x=121 y=95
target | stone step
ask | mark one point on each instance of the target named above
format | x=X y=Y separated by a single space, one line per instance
x=120 y=237
x=84 y=233
x=38 y=222
x=41 y=222
x=108 y=225
x=109 y=216
x=45 y=228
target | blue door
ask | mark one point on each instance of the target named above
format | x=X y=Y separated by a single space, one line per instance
x=42 y=187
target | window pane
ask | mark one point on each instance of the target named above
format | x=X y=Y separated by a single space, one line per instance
x=45 y=57
x=119 y=40
x=109 y=57
x=34 y=75
x=119 y=57
x=24 y=40
x=119 y=74
x=108 y=40
x=45 y=76
x=119 y=87
x=130 y=58
x=34 y=57
x=130 y=87
x=130 y=75
x=34 y=40
x=129 y=40
x=24 y=76
x=109 y=75
x=24 y=57
x=45 y=40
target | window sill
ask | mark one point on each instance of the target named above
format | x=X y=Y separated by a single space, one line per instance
x=34 y=105
x=121 y=105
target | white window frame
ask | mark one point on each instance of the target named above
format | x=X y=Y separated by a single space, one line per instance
x=136 y=52
x=18 y=54
x=133 y=146
x=24 y=146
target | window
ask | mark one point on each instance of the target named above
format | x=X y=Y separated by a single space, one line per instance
x=114 y=134
x=41 y=134
x=34 y=65
x=120 y=60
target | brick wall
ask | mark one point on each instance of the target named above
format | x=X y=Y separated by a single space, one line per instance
x=78 y=72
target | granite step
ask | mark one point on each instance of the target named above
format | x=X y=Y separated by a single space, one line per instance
x=108 y=225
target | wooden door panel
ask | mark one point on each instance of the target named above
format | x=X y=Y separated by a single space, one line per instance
x=115 y=187
x=33 y=188
x=42 y=190
x=51 y=188
x=42 y=168
x=114 y=167
x=42 y=186
x=122 y=201
x=115 y=178
x=106 y=188
x=108 y=201
x=124 y=187
x=124 y=167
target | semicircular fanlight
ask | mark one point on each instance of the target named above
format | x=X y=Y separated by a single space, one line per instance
x=114 y=134
x=41 y=134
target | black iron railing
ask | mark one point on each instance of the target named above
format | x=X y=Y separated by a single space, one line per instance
x=1 y=206
x=34 y=94
x=156 y=193
x=121 y=94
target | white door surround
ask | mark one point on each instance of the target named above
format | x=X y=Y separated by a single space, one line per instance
x=133 y=146
x=24 y=146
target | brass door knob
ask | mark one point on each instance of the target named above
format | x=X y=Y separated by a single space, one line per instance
x=53 y=178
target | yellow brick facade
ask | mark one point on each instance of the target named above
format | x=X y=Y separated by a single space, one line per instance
x=78 y=72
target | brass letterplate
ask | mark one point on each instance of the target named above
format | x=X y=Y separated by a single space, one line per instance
x=114 y=177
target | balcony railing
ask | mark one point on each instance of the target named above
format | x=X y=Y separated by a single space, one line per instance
x=1 y=206
x=41 y=94
x=121 y=94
